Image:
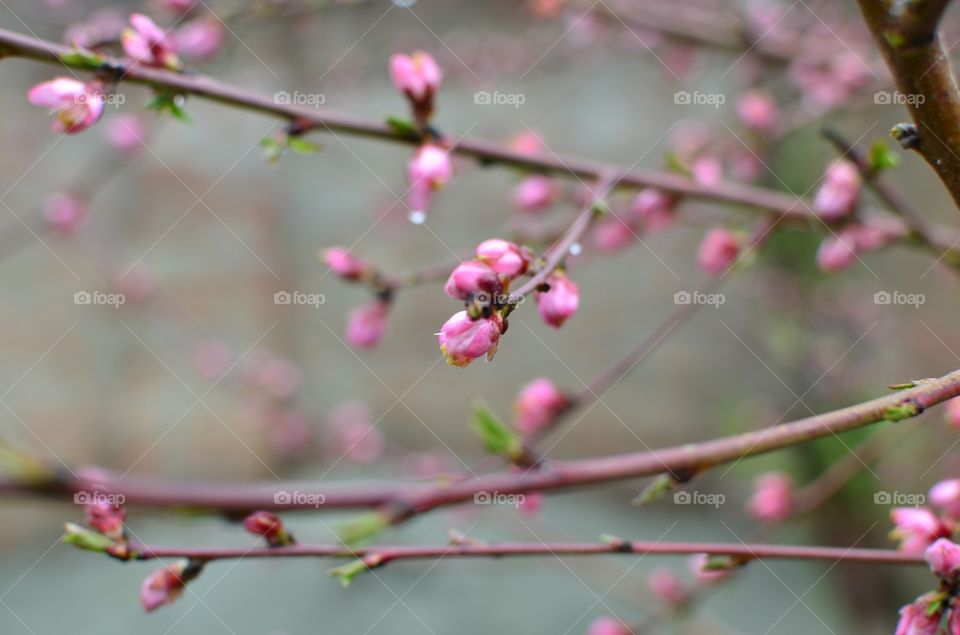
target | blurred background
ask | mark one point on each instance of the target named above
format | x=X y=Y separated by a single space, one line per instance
x=199 y=232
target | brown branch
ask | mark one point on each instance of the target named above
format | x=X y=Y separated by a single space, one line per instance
x=303 y=119
x=920 y=65
x=383 y=554
x=401 y=501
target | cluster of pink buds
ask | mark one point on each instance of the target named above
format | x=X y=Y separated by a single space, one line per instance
x=537 y=405
x=772 y=500
x=76 y=105
x=719 y=251
x=146 y=43
x=650 y=210
x=270 y=527
x=840 y=191
x=165 y=585
x=483 y=285
x=925 y=615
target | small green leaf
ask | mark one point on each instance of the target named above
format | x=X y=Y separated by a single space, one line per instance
x=656 y=489
x=675 y=164
x=721 y=563
x=82 y=59
x=880 y=157
x=362 y=528
x=347 y=572
x=894 y=39
x=86 y=538
x=22 y=466
x=901 y=412
x=302 y=146
x=166 y=101
x=496 y=436
x=402 y=127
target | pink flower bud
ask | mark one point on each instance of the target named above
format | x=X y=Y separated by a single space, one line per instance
x=667 y=588
x=199 y=39
x=345 y=264
x=165 y=585
x=707 y=171
x=537 y=405
x=417 y=76
x=718 y=251
x=471 y=279
x=278 y=377
x=125 y=133
x=106 y=517
x=772 y=500
x=527 y=142
x=463 y=340
x=429 y=170
x=758 y=111
x=366 y=324
x=943 y=557
x=64 y=213
x=608 y=626
x=952 y=413
x=654 y=209
x=146 y=43
x=840 y=191
x=560 y=302
x=946 y=496
x=534 y=193
x=504 y=257
x=916 y=528
x=612 y=234
x=77 y=106
x=353 y=434
x=270 y=527
x=915 y=620
x=836 y=253
x=698 y=565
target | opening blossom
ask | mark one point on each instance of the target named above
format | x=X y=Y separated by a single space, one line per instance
x=77 y=105
x=718 y=251
x=148 y=44
x=537 y=405
x=106 y=517
x=463 y=340
x=840 y=191
x=916 y=619
x=943 y=556
x=917 y=528
x=428 y=171
x=772 y=500
x=560 y=302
